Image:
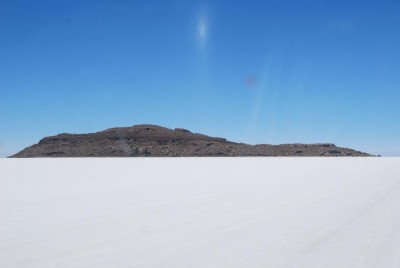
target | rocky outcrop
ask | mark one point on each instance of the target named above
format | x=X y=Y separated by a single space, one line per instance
x=151 y=140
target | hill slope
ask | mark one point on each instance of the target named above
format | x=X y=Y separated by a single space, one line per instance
x=151 y=140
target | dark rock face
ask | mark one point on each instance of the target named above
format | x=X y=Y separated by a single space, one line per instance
x=151 y=140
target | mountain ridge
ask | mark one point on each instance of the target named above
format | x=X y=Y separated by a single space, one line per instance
x=157 y=141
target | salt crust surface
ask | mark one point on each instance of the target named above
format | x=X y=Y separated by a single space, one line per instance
x=200 y=212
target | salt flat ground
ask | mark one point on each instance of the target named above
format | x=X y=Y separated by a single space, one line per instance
x=200 y=212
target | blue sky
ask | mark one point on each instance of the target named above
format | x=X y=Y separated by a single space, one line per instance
x=250 y=71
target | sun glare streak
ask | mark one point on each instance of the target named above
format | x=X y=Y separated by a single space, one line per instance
x=202 y=30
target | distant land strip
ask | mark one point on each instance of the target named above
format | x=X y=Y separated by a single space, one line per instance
x=157 y=141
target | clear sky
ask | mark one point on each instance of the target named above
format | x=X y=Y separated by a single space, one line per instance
x=250 y=71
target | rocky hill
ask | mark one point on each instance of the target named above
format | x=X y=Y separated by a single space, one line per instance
x=151 y=140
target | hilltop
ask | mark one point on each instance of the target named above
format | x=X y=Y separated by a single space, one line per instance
x=152 y=140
